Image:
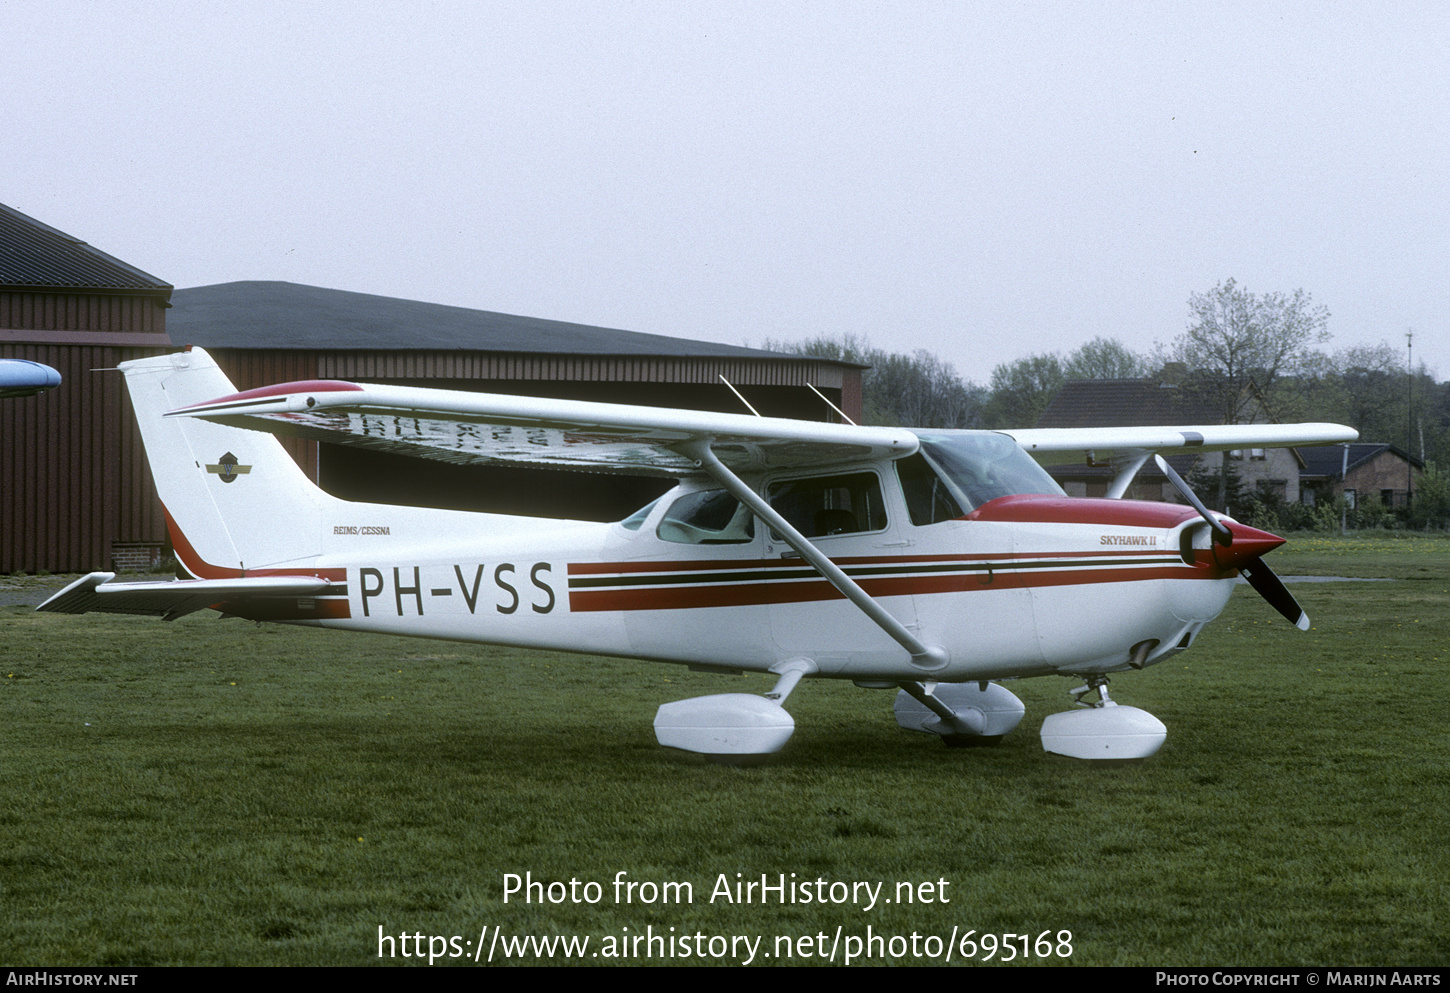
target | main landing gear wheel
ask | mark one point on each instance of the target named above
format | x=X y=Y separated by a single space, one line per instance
x=963 y=715
x=733 y=728
x=1102 y=731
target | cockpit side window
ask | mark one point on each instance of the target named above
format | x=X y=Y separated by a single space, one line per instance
x=928 y=498
x=707 y=517
x=825 y=505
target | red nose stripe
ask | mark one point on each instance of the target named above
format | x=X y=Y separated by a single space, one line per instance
x=1248 y=544
x=1031 y=508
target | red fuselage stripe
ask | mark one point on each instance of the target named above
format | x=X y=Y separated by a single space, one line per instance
x=750 y=594
x=202 y=569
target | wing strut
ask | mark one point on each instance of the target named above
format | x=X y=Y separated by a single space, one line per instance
x=1125 y=478
x=922 y=655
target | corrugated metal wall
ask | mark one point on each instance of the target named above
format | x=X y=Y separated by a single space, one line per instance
x=81 y=312
x=390 y=365
x=74 y=480
x=73 y=474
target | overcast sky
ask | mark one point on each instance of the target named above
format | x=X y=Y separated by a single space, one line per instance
x=984 y=180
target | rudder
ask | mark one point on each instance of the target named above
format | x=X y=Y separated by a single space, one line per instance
x=235 y=501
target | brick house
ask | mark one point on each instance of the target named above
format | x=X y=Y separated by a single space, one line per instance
x=1088 y=403
x=1360 y=470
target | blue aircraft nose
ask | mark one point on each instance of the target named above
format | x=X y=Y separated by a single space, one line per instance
x=21 y=378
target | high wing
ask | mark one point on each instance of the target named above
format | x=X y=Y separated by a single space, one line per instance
x=478 y=428
x=1067 y=446
x=481 y=428
x=172 y=599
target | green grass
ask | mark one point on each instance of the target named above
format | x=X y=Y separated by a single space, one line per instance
x=214 y=792
x=1365 y=555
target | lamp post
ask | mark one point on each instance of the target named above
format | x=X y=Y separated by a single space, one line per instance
x=1410 y=417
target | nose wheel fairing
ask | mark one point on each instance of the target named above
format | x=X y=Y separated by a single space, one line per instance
x=1102 y=731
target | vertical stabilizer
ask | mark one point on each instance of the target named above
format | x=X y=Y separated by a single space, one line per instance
x=235 y=501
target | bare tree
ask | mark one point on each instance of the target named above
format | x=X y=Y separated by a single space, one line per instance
x=917 y=390
x=1237 y=341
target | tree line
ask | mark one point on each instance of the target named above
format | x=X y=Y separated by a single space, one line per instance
x=1239 y=352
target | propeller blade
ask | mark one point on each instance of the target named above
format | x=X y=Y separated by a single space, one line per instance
x=1221 y=533
x=1259 y=575
x=1272 y=589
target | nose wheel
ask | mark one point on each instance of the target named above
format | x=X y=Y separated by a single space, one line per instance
x=1101 y=730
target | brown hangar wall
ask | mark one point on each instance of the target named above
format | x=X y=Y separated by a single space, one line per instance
x=774 y=388
x=75 y=487
x=74 y=483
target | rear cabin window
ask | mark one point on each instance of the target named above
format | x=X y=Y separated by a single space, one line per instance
x=825 y=505
x=707 y=517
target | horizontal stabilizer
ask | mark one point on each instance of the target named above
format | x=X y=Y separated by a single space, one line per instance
x=173 y=598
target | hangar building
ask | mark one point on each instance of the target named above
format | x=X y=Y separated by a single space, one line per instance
x=75 y=491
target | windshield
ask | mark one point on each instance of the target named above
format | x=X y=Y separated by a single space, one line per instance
x=982 y=466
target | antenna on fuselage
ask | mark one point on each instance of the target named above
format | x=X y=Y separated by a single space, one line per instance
x=737 y=393
x=832 y=405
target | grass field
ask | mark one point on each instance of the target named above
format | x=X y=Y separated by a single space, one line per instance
x=1366 y=554
x=217 y=792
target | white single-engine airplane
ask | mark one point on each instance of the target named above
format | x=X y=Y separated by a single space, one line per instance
x=931 y=562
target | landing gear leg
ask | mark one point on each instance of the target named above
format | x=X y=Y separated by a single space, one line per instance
x=1094 y=684
x=963 y=715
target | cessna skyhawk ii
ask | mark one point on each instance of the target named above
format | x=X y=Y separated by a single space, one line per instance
x=931 y=562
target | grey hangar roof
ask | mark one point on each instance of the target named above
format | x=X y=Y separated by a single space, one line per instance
x=38 y=257
x=281 y=315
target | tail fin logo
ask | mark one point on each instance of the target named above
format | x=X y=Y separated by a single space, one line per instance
x=228 y=469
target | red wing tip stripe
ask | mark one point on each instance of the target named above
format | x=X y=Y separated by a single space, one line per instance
x=264 y=393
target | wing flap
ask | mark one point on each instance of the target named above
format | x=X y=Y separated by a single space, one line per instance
x=174 y=598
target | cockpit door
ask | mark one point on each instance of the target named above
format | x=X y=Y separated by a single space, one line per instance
x=846 y=516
